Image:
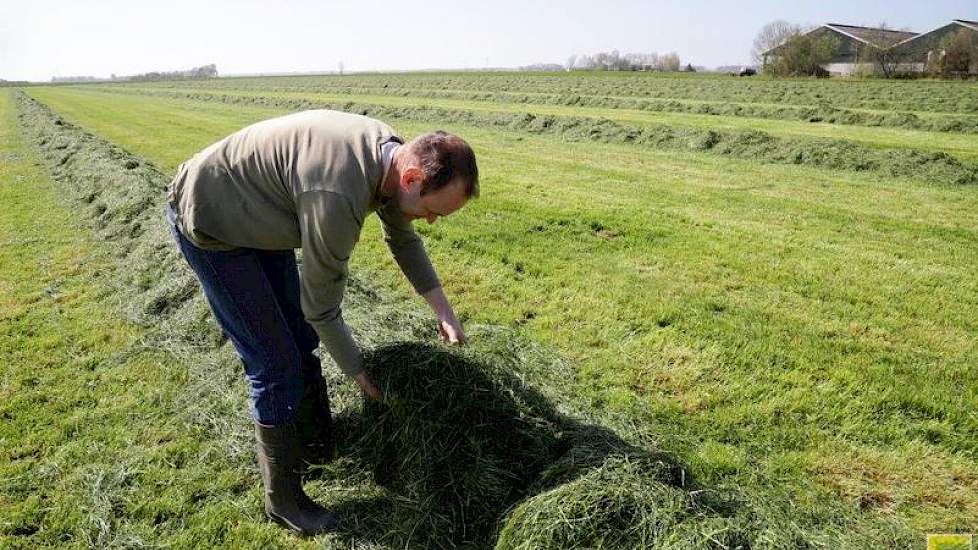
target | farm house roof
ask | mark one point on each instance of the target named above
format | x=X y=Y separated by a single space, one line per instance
x=973 y=25
x=966 y=23
x=883 y=38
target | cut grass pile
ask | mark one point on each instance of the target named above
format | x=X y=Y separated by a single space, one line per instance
x=932 y=167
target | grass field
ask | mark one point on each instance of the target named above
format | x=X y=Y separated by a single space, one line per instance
x=800 y=338
x=956 y=144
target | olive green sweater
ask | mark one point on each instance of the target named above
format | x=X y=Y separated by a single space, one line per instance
x=305 y=180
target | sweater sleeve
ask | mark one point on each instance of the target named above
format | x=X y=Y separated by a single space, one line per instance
x=408 y=249
x=330 y=229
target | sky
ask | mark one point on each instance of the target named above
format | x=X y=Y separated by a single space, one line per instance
x=40 y=39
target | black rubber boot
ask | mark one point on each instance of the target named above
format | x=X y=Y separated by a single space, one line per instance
x=285 y=501
x=314 y=422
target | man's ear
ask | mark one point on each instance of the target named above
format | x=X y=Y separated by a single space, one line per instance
x=412 y=175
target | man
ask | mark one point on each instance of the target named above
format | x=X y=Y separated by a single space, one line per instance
x=240 y=207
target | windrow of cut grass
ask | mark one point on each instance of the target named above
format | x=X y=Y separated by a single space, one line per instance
x=760 y=320
x=871 y=94
x=960 y=146
x=473 y=454
x=106 y=440
x=933 y=167
x=824 y=111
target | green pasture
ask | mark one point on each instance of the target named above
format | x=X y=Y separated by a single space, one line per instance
x=97 y=425
x=805 y=335
x=656 y=95
x=875 y=94
x=962 y=146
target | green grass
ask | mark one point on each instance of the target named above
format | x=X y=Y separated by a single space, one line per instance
x=876 y=94
x=92 y=428
x=802 y=333
x=963 y=146
x=415 y=475
x=750 y=107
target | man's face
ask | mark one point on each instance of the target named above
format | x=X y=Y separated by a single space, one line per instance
x=435 y=204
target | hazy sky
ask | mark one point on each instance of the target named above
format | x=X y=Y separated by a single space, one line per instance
x=40 y=39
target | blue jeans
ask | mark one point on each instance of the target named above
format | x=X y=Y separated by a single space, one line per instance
x=254 y=295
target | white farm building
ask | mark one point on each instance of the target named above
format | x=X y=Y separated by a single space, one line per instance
x=915 y=49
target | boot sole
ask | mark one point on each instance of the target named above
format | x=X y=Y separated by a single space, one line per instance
x=288 y=525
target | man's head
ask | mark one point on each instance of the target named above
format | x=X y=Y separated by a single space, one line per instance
x=436 y=175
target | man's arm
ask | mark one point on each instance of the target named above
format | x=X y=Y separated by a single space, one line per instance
x=408 y=249
x=448 y=325
x=330 y=230
x=409 y=253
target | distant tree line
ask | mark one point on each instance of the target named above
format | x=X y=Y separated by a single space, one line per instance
x=13 y=82
x=204 y=71
x=543 y=67
x=614 y=61
x=75 y=78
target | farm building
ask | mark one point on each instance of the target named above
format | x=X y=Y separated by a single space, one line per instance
x=852 y=41
x=926 y=49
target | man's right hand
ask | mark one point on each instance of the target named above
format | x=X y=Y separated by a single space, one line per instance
x=368 y=387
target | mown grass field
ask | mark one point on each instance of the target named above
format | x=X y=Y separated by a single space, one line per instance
x=799 y=336
x=960 y=145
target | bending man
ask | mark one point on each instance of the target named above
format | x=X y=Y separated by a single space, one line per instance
x=240 y=207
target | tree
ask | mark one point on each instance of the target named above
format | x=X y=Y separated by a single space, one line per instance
x=601 y=61
x=803 y=55
x=206 y=71
x=772 y=35
x=616 y=61
x=960 y=53
x=885 y=59
x=668 y=62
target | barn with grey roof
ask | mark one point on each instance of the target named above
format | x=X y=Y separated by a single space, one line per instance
x=854 y=44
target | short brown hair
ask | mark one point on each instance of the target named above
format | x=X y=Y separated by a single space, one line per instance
x=444 y=157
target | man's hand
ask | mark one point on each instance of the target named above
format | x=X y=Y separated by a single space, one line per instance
x=368 y=387
x=451 y=330
x=448 y=326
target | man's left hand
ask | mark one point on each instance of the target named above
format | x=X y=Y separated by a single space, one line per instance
x=448 y=326
x=451 y=330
